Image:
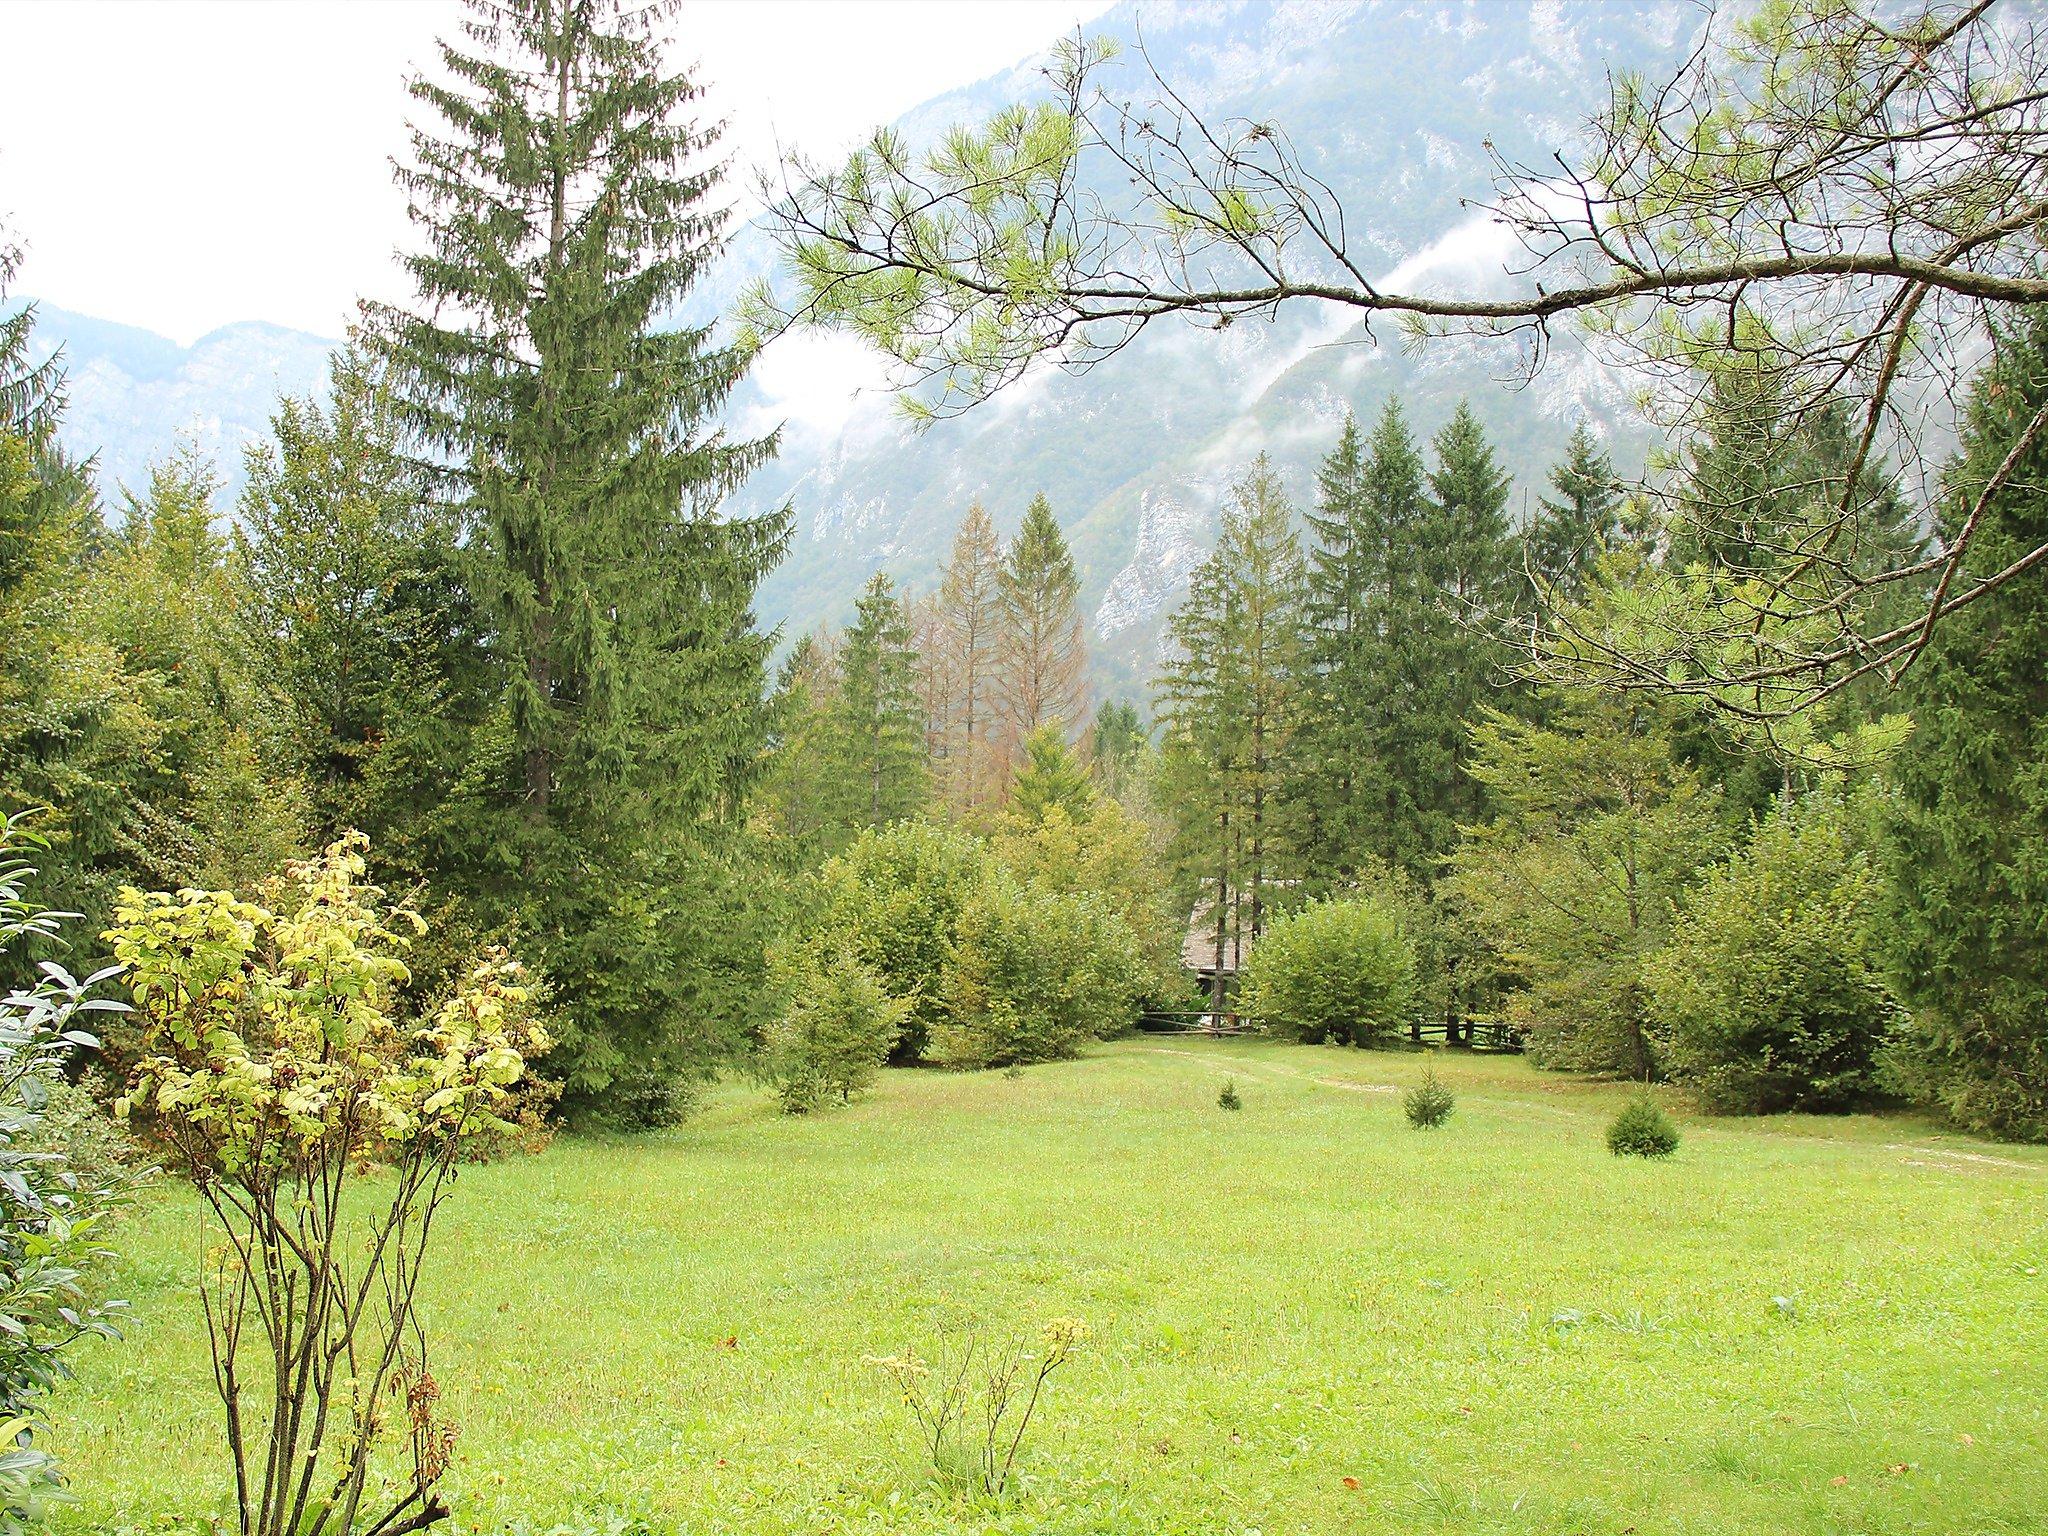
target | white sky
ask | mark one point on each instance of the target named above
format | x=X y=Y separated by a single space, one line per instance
x=180 y=164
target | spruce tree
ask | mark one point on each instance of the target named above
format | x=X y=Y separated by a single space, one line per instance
x=1452 y=578
x=1052 y=776
x=566 y=203
x=1041 y=658
x=1970 y=848
x=1346 y=570
x=1116 y=747
x=1577 y=522
x=877 y=723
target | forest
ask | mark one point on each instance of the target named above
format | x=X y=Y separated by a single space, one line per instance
x=438 y=805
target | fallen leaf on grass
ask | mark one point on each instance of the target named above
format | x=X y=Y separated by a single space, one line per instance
x=1351 y=1483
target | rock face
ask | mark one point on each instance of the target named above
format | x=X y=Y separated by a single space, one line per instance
x=1392 y=102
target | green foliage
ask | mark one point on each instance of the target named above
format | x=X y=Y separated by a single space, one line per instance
x=1108 y=855
x=570 y=429
x=1051 y=780
x=1969 y=847
x=874 y=763
x=895 y=899
x=1642 y=1129
x=355 y=629
x=1409 y=571
x=1429 y=1103
x=1227 y=700
x=1335 y=971
x=1228 y=1098
x=53 y=1205
x=1117 y=746
x=1035 y=974
x=835 y=1030
x=1598 y=828
x=276 y=1069
x=1771 y=994
x=1572 y=531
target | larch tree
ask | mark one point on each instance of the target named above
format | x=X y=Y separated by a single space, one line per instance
x=1041 y=677
x=565 y=202
x=970 y=628
x=1229 y=699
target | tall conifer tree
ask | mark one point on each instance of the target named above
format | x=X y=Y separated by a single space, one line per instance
x=877 y=722
x=1581 y=517
x=1971 y=844
x=970 y=614
x=1042 y=658
x=566 y=202
x=1229 y=702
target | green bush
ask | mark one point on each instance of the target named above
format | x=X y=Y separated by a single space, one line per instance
x=1034 y=974
x=1771 y=994
x=1428 y=1104
x=1339 y=971
x=895 y=898
x=834 y=1032
x=1228 y=1098
x=1642 y=1129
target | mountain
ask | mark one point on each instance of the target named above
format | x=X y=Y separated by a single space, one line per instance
x=135 y=395
x=1391 y=102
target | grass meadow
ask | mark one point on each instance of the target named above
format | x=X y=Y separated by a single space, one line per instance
x=1306 y=1317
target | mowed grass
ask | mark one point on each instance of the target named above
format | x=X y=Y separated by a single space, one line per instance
x=1307 y=1317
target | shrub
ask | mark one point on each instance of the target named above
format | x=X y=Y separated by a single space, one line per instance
x=51 y=1208
x=1771 y=994
x=1107 y=855
x=1035 y=974
x=1642 y=1129
x=972 y=1404
x=895 y=898
x=835 y=1030
x=1339 y=971
x=1428 y=1104
x=278 y=1073
x=1228 y=1098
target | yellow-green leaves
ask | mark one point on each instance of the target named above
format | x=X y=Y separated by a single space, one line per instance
x=269 y=1036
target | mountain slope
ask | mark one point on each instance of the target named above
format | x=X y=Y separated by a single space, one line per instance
x=1391 y=101
x=134 y=395
x=1392 y=104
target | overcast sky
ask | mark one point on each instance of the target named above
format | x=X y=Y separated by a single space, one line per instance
x=180 y=164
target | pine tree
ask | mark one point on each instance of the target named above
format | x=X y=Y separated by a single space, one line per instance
x=1970 y=849
x=566 y=204
x=1569 y=532
x=970 y=628
x=877 y=721
x=1041 y=659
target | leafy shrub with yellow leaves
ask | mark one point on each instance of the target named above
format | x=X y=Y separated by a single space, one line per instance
x=277 y=1068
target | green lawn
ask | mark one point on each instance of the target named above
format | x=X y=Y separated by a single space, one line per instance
x=1307 y=1317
